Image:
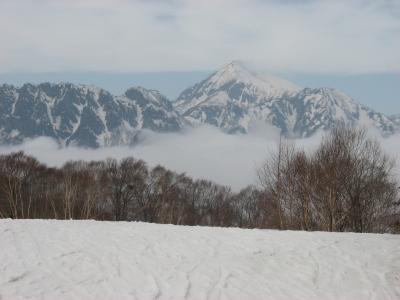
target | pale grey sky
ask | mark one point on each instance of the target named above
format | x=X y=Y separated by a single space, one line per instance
x=352 y=45
x=348 y=36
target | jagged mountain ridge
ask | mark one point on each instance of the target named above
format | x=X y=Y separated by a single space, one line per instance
x=236 y=99
x=233 y=99
x=82 y=115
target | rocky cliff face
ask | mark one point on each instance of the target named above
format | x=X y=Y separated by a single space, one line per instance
x=82 y=115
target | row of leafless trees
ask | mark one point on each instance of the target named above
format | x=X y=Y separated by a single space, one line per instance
x=345 y=185
x=122 y=190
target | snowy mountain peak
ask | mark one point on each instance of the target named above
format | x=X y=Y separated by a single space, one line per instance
x=235 y=69
x=264 y=83
x=235 y=81
x=235 y=99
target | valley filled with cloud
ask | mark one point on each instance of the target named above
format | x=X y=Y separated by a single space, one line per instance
x=203 y=153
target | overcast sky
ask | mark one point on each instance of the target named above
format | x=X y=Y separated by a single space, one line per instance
x=320 y=40
x=151 y=35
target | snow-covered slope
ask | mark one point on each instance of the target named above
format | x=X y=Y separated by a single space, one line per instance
x=234 y=82
x=82 y=115
x=395 y=118
x=105 y=260
x=235 y=99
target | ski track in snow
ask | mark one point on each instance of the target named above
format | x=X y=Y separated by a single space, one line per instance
x=42 y=259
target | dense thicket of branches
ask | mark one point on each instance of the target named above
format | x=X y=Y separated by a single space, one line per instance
x=120 y=190
x=345 y=185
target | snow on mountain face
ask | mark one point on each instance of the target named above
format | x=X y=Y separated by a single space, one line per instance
x=236 y=99
x=236 y=82
x=395 y=118
x=324 y=108
x=82 y=115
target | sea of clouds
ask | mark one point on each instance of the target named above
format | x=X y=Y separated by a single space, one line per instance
x=204 y=152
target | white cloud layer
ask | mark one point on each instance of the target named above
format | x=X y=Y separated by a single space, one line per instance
x=201 y=153
x=137 y=35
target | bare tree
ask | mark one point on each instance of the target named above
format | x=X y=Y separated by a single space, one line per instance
x=345 y=185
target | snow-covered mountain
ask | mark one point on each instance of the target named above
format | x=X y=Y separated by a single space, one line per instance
x=395 y=118
x=82 y=115
x=235 y=99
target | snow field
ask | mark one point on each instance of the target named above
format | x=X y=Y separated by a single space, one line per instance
x=44 y=259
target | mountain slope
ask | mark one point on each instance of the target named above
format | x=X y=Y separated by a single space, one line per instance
x=395 y=118
x=235 y=99
x=82 y=115
x=236 y=82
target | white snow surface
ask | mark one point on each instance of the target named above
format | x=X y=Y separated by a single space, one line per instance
x=264 y=83
x=43 y=259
